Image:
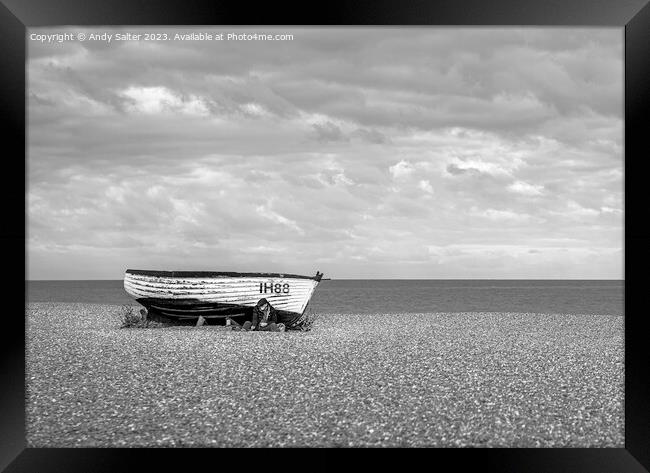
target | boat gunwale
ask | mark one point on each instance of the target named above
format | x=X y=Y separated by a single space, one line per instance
x=217 y=274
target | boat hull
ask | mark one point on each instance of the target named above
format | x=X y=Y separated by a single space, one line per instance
x=183 y=294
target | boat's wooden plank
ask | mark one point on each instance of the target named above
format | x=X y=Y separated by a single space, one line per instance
x=244 y=291
x=234 y=289
x=277 y=287
x=218 y=274
x=183 y=294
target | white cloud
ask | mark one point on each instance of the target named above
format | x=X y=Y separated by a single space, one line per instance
x=401 y=170
x=266 y=212
x=577 y=210
x=609 y=210
x=502 y=215
x=153 y=100
x=341 y=178
x=425 y=185
x=188 y=212
x=497 y=167
x=254 y=109
x=524 y=188
x=116 y=193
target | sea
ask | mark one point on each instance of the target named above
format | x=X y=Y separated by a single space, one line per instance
x=372 y=296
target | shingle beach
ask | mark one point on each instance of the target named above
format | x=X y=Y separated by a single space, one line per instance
x=437 y=379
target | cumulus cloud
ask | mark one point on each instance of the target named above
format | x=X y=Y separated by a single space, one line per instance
x=155 y=100
x=401 y=170
x=525 y=188
x=425 y=185
x=388 y=152
x=482 y=166
x=499 y=215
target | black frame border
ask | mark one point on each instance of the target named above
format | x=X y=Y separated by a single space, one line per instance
x=632 y=15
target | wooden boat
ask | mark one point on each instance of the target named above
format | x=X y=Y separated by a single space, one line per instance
x=189 y=294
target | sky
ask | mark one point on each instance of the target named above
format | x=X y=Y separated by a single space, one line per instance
x=358 y=152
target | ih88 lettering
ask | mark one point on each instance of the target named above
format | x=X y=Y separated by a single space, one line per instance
x=274 y=288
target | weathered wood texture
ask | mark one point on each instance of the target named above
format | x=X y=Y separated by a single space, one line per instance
x=286 y=294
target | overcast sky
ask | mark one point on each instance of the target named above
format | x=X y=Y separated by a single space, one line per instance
x=360 y=152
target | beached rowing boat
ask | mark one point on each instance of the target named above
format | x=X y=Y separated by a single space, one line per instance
x=187 y=294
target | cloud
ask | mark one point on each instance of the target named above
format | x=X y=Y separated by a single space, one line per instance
x=502 y=215
x=328 y=131
x=357 y=148
x=577 y=210
x=155 y=100
x=401 y=170
x=471 y=165
x=425 y=185
x=524 y=188
x=266 y=212
x=254 y=110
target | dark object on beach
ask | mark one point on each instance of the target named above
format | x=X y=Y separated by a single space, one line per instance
x=265 y=319
x=264 y=315
x=272 y=327
x=129 y=317
x=306 y=322
x=144 y=319
x=132 y=319
x=186 y=295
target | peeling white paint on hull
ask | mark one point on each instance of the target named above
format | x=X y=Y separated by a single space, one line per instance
x=187 y=293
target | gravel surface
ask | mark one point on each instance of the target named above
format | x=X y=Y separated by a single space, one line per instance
x=438 y=379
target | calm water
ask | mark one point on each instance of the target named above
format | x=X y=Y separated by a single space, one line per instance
x=389 y=296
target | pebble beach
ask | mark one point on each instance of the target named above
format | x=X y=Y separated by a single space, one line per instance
x=355 y=380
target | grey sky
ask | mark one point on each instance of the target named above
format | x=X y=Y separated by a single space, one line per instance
x=361 y=152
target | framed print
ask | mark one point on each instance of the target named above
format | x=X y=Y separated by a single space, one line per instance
x=436 y=205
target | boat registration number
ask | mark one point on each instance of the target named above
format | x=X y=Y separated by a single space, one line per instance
x=274 y=288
